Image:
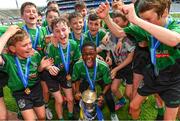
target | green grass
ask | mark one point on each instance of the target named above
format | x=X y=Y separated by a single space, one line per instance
x=148 y=108
x=176 y=15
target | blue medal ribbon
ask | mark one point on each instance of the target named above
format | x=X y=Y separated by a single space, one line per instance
x=66 y=61
x=34 y=43
x=97 y=38
x=22 y=76
x=91 y=82
x=92 y=87
x=48 y=30
x=154 y=45
x=81 y=39
x=85 y=25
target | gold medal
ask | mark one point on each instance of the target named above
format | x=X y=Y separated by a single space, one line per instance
x=68 y=77
x=27 y=91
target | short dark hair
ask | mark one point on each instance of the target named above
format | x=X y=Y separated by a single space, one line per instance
x=51 y=2
x=80 y=5
x=54 y=10
x=118 y=13
x=74 y=15
x=158 y=6
x=59 y=20
x=93 y=16
x=26 y=4
x=89 y=43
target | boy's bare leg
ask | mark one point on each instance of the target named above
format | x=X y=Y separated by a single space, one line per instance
x=40 y=113
x=136 y=81
x=135 y=106
x=170 y=113
x=3 y=110
x=29 y=115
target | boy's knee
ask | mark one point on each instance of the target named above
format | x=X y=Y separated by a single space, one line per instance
x=114 y=89
x=134 y=106
x=70 y=99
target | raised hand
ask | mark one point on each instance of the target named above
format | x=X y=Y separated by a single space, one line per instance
x=53 y=70
x=130 y=13
x=12 y=30
x=103 y=10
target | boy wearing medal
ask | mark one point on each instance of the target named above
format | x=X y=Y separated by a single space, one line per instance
x=163 y=76
x=95 y=33
x=29 y=14
x=90 y=71
x=76 y=24
x=80 y=7
x=65 y=53
x=23 y=63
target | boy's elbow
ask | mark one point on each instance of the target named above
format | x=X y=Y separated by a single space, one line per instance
x=176 y=42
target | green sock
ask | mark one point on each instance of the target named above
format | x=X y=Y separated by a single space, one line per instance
x=70 y=114
x=161 y=111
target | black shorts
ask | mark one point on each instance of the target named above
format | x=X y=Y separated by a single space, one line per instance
x=1 y=92
x=34 y=99
x=53 y=82
x=3 y=78
x=141 y=59
x=126 y=74
x=166 y=84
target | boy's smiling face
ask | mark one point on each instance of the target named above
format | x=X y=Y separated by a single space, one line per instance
x=77 y=25
x=30 y=15
x=94 y=26
x=61 y=32
x=23 y=49
x=89 y=56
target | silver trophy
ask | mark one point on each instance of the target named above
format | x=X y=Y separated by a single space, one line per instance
x=88 y=106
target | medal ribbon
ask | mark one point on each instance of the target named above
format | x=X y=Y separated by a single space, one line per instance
x=154 y=45
x=81 y=39
x=66 y=61
x=48 y=30
x=85 y=25
x=91 y=82
x=34 y=43
x=22 y=76
x=97 y=38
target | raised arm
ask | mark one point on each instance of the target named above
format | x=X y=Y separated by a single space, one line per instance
x=5 y=37
x=164 y=35
x=103 y=13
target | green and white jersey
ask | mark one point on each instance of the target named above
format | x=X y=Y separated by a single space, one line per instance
x=103 y=72
x=14 y=82
x=165 y=55
x=41 y=42
x=138 y=33
x=101 y=34
x=79 y=42
x=96 y=40
x=54 y=53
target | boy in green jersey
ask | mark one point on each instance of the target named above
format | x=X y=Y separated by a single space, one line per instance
x=65 y=53
x=80 y=6
x=162 y=76
x=76 y=24
x=29 y=14
x=95 y=33
x=22 y=63
x=90 y=70
x=50 y=15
